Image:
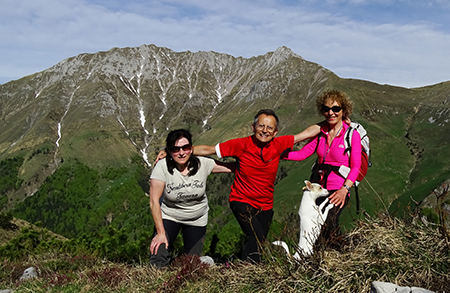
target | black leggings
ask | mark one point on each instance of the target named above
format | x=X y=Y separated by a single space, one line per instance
x=193 y=238
x=255 y=224
x=331 y=228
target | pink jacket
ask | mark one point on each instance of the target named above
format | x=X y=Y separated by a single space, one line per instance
x=333 y=155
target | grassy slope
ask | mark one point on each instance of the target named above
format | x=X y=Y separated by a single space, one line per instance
x=376 y=250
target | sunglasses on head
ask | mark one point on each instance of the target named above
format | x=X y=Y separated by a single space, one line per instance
x=335 y=109
x=186 y=147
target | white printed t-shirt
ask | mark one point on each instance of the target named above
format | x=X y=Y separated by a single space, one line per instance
x=184 y=198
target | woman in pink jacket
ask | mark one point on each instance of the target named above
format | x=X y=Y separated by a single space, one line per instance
x=329 y=146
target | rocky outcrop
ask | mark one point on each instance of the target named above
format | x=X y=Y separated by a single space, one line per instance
x=29 y=274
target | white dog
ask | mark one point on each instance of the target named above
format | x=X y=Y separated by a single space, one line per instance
x=311 y=219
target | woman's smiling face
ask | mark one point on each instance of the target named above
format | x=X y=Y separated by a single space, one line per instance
x=331 y=116
x=180 y=155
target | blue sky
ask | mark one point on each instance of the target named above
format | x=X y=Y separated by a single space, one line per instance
x=403 y=43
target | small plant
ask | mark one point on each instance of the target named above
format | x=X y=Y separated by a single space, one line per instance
x=187 y=268
x=59 y=280
x=109 y=277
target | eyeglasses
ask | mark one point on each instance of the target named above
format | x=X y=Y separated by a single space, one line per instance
x=335 y=109
x=186 y=147
x=262 y=127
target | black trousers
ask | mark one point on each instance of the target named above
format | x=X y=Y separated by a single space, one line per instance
x=255 y=224
x=331 y=229
x=193 y=238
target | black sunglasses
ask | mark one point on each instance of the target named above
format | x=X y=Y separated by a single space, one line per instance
x=335 y=109
x=186 y=147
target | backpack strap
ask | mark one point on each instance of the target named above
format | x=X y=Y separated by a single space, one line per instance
x=348 y=140
x=357 y=199
x=348 y=150
x=318 y=140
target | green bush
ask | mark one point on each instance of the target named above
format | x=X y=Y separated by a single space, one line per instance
x=64 y=202
x=30 y=242
x=5 y=220
x=112 y=173
x=431 y=215
x=9 y=170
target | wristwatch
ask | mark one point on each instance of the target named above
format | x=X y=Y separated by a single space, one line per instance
x=348 y=188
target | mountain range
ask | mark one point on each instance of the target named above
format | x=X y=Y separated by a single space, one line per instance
x=111 y=111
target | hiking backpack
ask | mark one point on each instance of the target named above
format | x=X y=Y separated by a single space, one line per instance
x=365 y=153
x=365 y=148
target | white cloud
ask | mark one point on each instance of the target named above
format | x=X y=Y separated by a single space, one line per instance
x=37 y=34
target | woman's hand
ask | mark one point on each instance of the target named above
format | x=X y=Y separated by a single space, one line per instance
x=338 y=197
x=157 y=241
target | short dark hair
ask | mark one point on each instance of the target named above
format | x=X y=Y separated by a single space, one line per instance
x=268 y=112
x=172 y=137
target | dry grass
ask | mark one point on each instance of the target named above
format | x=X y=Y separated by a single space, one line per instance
x=376 y=250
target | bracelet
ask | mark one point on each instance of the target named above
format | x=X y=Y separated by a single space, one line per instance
x=348 y=188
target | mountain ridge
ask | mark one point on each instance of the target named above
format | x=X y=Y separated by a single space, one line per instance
x=106 y=108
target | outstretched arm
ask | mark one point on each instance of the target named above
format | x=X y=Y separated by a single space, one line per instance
x=204 y=150
x=198 y=150
x=309 y=132
x=224 y=167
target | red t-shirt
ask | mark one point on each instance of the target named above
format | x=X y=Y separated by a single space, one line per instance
x=257 y=168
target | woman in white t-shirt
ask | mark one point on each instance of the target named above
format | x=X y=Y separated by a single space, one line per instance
x=180 y=179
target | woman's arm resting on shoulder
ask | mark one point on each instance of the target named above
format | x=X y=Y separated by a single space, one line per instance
x=156 y=191
x=309 y=132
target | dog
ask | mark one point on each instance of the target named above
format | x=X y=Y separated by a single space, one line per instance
x=312 y=218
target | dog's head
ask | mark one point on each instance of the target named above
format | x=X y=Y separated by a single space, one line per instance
x=315 y=189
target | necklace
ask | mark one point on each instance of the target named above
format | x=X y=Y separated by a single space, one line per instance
x=332 y=138
x=328 y=147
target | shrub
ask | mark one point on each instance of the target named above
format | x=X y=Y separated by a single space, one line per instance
x=5 y=220
x=431 y=215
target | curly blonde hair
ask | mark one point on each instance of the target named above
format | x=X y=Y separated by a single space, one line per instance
x=338 y=96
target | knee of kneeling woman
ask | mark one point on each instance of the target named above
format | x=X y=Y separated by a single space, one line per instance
x=161 y=259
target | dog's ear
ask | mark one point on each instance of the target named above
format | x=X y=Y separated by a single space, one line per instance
x=308 y=185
